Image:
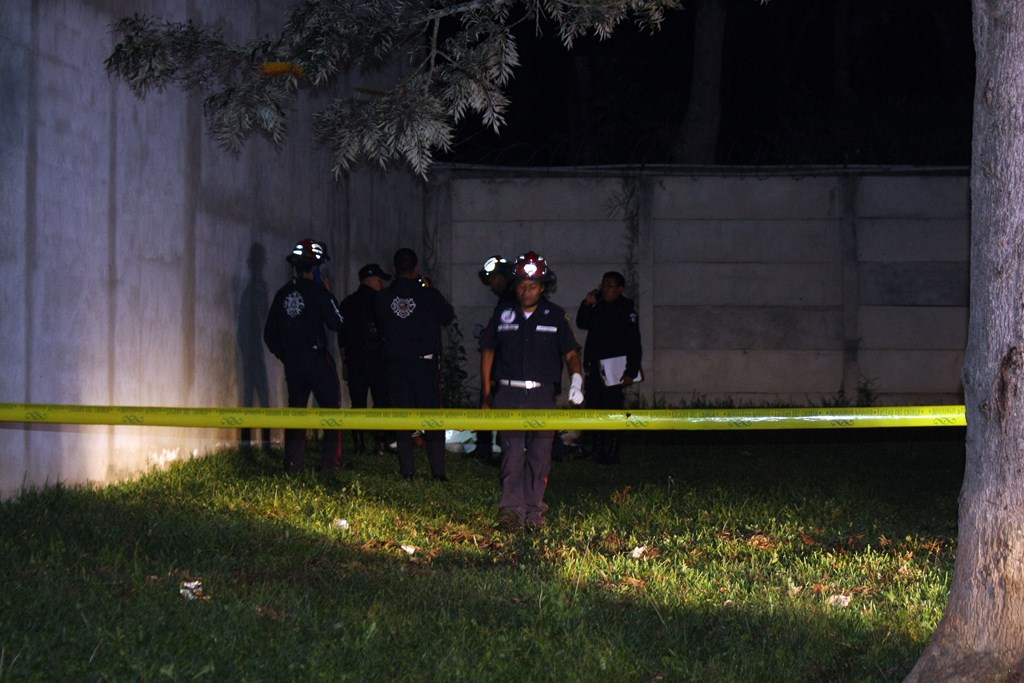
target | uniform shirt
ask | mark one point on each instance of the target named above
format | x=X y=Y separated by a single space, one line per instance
x=529 y=348
x=410 y=317
x=361 y=339
x=613 y=329
x=297 y=318
x=506 y=298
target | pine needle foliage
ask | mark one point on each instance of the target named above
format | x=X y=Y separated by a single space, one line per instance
x=456 y=58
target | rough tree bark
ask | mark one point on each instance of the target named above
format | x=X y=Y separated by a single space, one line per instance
x=981 y=635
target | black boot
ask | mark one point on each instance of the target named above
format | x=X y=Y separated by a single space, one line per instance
x=597 y=447
x=358 y=443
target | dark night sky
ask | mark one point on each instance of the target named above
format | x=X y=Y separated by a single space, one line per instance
x=909 y=100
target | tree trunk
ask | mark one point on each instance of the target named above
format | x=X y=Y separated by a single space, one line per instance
x=698 y=139
x=981 y=635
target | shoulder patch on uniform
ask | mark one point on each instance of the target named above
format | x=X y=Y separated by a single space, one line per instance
x=508 y=316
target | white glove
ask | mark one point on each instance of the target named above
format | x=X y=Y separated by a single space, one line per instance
x=576 y=389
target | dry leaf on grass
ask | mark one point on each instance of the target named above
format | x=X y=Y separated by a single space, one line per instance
x=761 y=542
x=621 y=496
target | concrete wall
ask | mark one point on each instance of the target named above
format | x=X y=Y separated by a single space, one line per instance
x=759 y=289
x=137 y=257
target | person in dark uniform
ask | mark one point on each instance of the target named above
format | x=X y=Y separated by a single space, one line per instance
x=523 y=347
x=410 y=315
x=295 y=333
x=613 y=330
x=362 y=349
x=495 y=276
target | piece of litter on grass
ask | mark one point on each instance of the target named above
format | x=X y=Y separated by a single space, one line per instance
x=193 y=590
x=839 y=601
x=409 y=549
x=341 y=523
x=638 y=552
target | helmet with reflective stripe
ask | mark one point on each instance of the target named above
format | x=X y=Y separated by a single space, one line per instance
x=495 y=265
x=309 y=250
x=532 y=266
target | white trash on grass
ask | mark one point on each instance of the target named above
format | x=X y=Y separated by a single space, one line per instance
x=839 y=600
x=193 y=590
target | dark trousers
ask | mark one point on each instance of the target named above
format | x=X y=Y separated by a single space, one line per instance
x=484 y=437
x=416 y=383
x=604 y=444
x=311 y=372
x=366 y=378
x=600 y=397
x=525 y=456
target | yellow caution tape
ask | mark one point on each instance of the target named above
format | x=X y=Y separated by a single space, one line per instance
x=394 y=418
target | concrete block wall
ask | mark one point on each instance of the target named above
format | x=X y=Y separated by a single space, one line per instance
x=776 y=288
x=749 y=299
x=567 y=222
x=913 y=251
x=138 y=257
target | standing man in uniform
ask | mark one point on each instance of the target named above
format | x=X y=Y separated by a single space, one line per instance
x=495 y=276
x=411 y=314
x=295 y=333
x=523 y=347
x=613 y=330
x=362 y=349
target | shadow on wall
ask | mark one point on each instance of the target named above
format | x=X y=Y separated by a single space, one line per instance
x=252 y=312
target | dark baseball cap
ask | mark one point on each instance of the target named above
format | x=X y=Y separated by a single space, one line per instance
x=371 y=269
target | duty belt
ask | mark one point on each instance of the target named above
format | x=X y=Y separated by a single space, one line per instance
x=520 y=383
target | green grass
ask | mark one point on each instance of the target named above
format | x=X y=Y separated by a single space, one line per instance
x=752 y=542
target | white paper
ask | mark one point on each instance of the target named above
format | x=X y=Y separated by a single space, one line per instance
x=612 y=369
